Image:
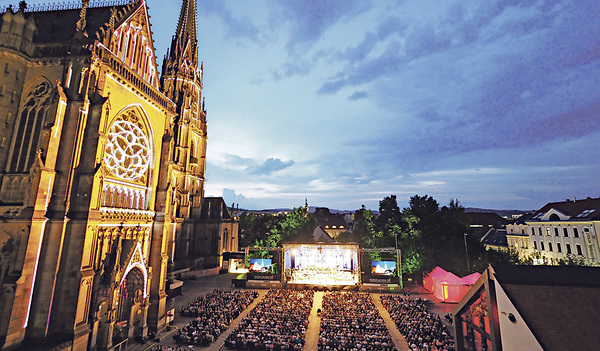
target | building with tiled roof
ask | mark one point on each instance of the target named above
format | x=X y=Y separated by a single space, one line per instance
x=560 y=231
x=333 y=224
x=495 y=239
x=102 y=165
x=486 y=219
x=552 y=308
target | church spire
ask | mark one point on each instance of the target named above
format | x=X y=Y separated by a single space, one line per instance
x=186 y=28
x=184 y=45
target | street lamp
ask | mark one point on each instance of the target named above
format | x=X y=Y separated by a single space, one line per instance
x=467 y=253
x=399 y=263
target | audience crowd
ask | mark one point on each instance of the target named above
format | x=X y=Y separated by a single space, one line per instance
x=168 y=348
x=278 y=322
x=422 y=330
x=350 y=321
x=213 y=314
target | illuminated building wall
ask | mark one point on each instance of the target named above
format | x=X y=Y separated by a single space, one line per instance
x=101 y=171
x=560 y=231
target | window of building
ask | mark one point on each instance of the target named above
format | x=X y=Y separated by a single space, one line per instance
x=535 y=245
x=579 y=252
x=540 y=230
x=473 y=324
x=549 y=246
x=569 y=249
x=532 y=231
x=558 y=248
x=586 y=213
x=575 y=233
x=565 y=232
x=542 y=245
x=548 y=231
x=29 y=126
x=556 y=231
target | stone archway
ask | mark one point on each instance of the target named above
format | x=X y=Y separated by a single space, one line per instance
x=131 y=307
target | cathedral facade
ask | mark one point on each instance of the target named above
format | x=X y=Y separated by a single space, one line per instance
x=102 y=163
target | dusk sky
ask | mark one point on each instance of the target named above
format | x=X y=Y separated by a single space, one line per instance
x=493 y=103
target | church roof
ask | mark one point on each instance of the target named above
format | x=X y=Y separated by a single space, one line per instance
x=215 y=208
x=58 y=22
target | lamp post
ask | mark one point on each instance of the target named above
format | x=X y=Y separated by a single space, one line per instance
x=399 y=263
x=467 y=253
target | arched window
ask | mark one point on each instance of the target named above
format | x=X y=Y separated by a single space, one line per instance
x=125 y=44
x=130 y=198
x=29 y=126
x=104 y=195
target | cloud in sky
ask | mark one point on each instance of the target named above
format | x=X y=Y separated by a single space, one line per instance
x=494 y=103
x=414 y=98
x=269 y=166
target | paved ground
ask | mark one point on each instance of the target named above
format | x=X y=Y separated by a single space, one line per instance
x=397 y=338
x=195 y=288
x=311 y=340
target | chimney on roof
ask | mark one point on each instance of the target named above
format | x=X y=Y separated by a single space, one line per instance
x=22 y=6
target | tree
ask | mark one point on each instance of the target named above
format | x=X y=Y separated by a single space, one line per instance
x=255 y=228
x=571 y=260
x=388 y=224
x=433 y=236
x=364 y=227
x=293 y=223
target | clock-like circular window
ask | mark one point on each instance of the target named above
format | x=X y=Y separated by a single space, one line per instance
x=127 y=152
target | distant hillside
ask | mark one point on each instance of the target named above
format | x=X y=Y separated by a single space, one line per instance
x=503 y=213
x=311 y=209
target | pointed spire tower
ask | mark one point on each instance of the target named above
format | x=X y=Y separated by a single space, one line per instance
x=181 y=81
x=183 y=54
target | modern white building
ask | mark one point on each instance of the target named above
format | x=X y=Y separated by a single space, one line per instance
x=566 y=230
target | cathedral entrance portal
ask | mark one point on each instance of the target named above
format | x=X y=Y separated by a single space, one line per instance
x=131 y=308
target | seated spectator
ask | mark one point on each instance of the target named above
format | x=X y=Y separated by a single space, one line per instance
x=422 y=330
x=350 y=321
x=278 y=322
x=214 y=313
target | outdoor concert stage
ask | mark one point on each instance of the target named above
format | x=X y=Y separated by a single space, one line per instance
x=332 y=266
x=322 y=266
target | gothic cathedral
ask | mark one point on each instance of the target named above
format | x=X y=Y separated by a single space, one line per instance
x=102 y=165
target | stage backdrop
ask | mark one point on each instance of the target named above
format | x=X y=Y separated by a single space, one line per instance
x=331 y=264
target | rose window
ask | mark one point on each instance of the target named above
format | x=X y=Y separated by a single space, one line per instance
x=127 y=151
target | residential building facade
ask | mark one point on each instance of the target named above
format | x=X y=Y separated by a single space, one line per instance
x=566 y=231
